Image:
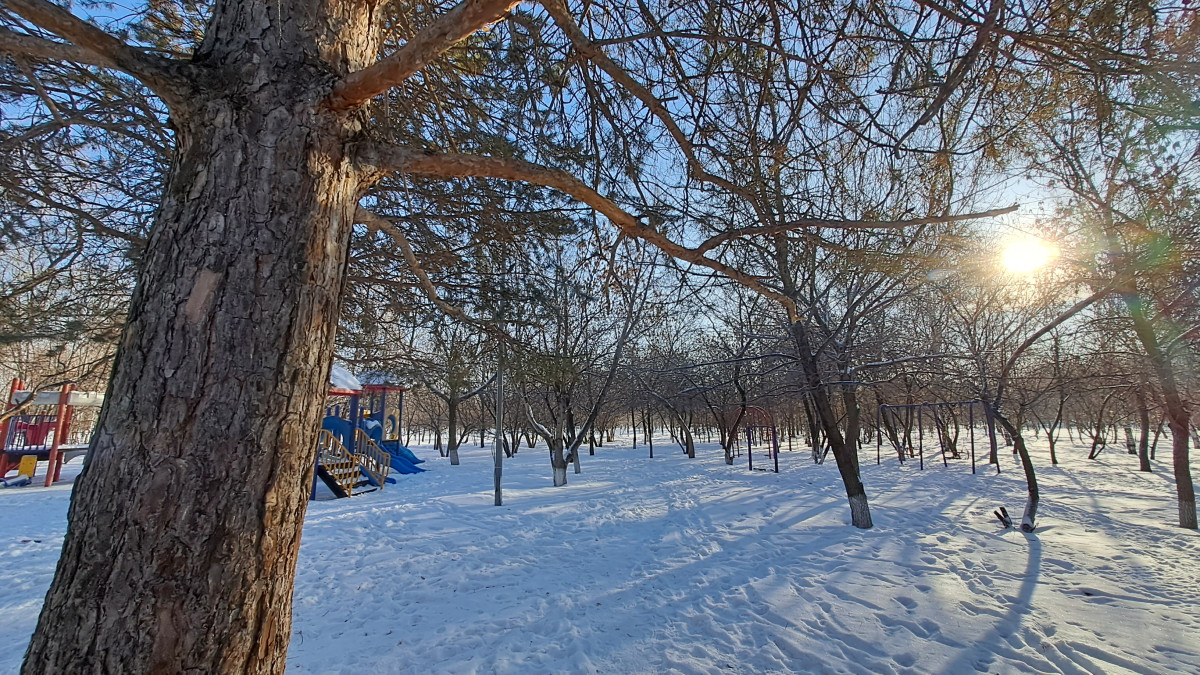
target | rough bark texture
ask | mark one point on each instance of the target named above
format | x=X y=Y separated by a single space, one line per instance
x=185 y=524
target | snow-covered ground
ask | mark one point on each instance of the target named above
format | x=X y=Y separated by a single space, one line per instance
x=674 y=565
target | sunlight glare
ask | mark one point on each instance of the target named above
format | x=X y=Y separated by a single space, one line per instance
x=1025 y=256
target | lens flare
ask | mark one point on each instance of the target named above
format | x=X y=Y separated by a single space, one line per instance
x=1026 y=256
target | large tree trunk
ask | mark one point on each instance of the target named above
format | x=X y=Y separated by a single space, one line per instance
x=558 y=462
x=185 y=524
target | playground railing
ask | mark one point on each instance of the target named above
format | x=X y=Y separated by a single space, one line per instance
x=337 y=460
x=30 y=431
x=373 y=459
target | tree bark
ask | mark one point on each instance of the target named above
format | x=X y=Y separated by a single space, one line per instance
x=452 y=435
x=860 y=513
x=558 y=462
x=222 y=367
x=1178 y=417
x=850 y=402
x=1029 y=519
x=1143 y=448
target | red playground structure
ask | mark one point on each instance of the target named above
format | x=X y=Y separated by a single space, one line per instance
x=43 y=428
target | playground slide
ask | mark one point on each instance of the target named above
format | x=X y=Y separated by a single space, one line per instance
x=394 y=448
x=402 y=465
x=403 y=460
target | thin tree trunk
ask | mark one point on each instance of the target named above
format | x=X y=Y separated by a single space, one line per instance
x=452 y=435
x=1029 y=519
x=860 y=513
x=850 y=401
x=1144 y=434
x=1178 y=417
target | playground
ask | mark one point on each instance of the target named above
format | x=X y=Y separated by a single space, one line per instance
x=691 y=565
x=42 y=433
x=44 y=430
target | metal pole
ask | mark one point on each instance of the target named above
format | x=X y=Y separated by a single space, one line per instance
x=60 y=430
x=921 y=434
x=400 y=418
x=937 y=424
x=971 y=421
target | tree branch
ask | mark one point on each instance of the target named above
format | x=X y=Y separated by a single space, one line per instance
x=800 y=223
x=1071 y=311
x=557 y=9
x=375 y=222
x=447 y=30
x=163 y=76
x=15 y=43
x=955 y=78
x=470 y=166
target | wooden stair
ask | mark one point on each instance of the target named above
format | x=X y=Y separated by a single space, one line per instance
x=343 y=472
x=372 y=459
x=335 y=465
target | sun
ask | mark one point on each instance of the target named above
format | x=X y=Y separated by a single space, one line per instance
x=1026 y=256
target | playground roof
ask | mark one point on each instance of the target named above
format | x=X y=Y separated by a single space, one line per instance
x=341 y=381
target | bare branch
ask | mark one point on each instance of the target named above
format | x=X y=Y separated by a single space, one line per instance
x=893 y=362
x=54 y=381
x=15 y=43
x=464 y=166
x=452 y=27
x=1071 y=311
x=378 y=223
x=557 y=9
x=718 y=239
x=163 y=76
x=955 y=78
x=537 y=426
x=38 y=88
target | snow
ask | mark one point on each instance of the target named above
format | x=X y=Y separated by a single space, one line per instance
x=674 y=565
x=340 y=378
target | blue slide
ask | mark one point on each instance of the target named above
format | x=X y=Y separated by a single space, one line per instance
x=394 y=448
x=403 y=460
